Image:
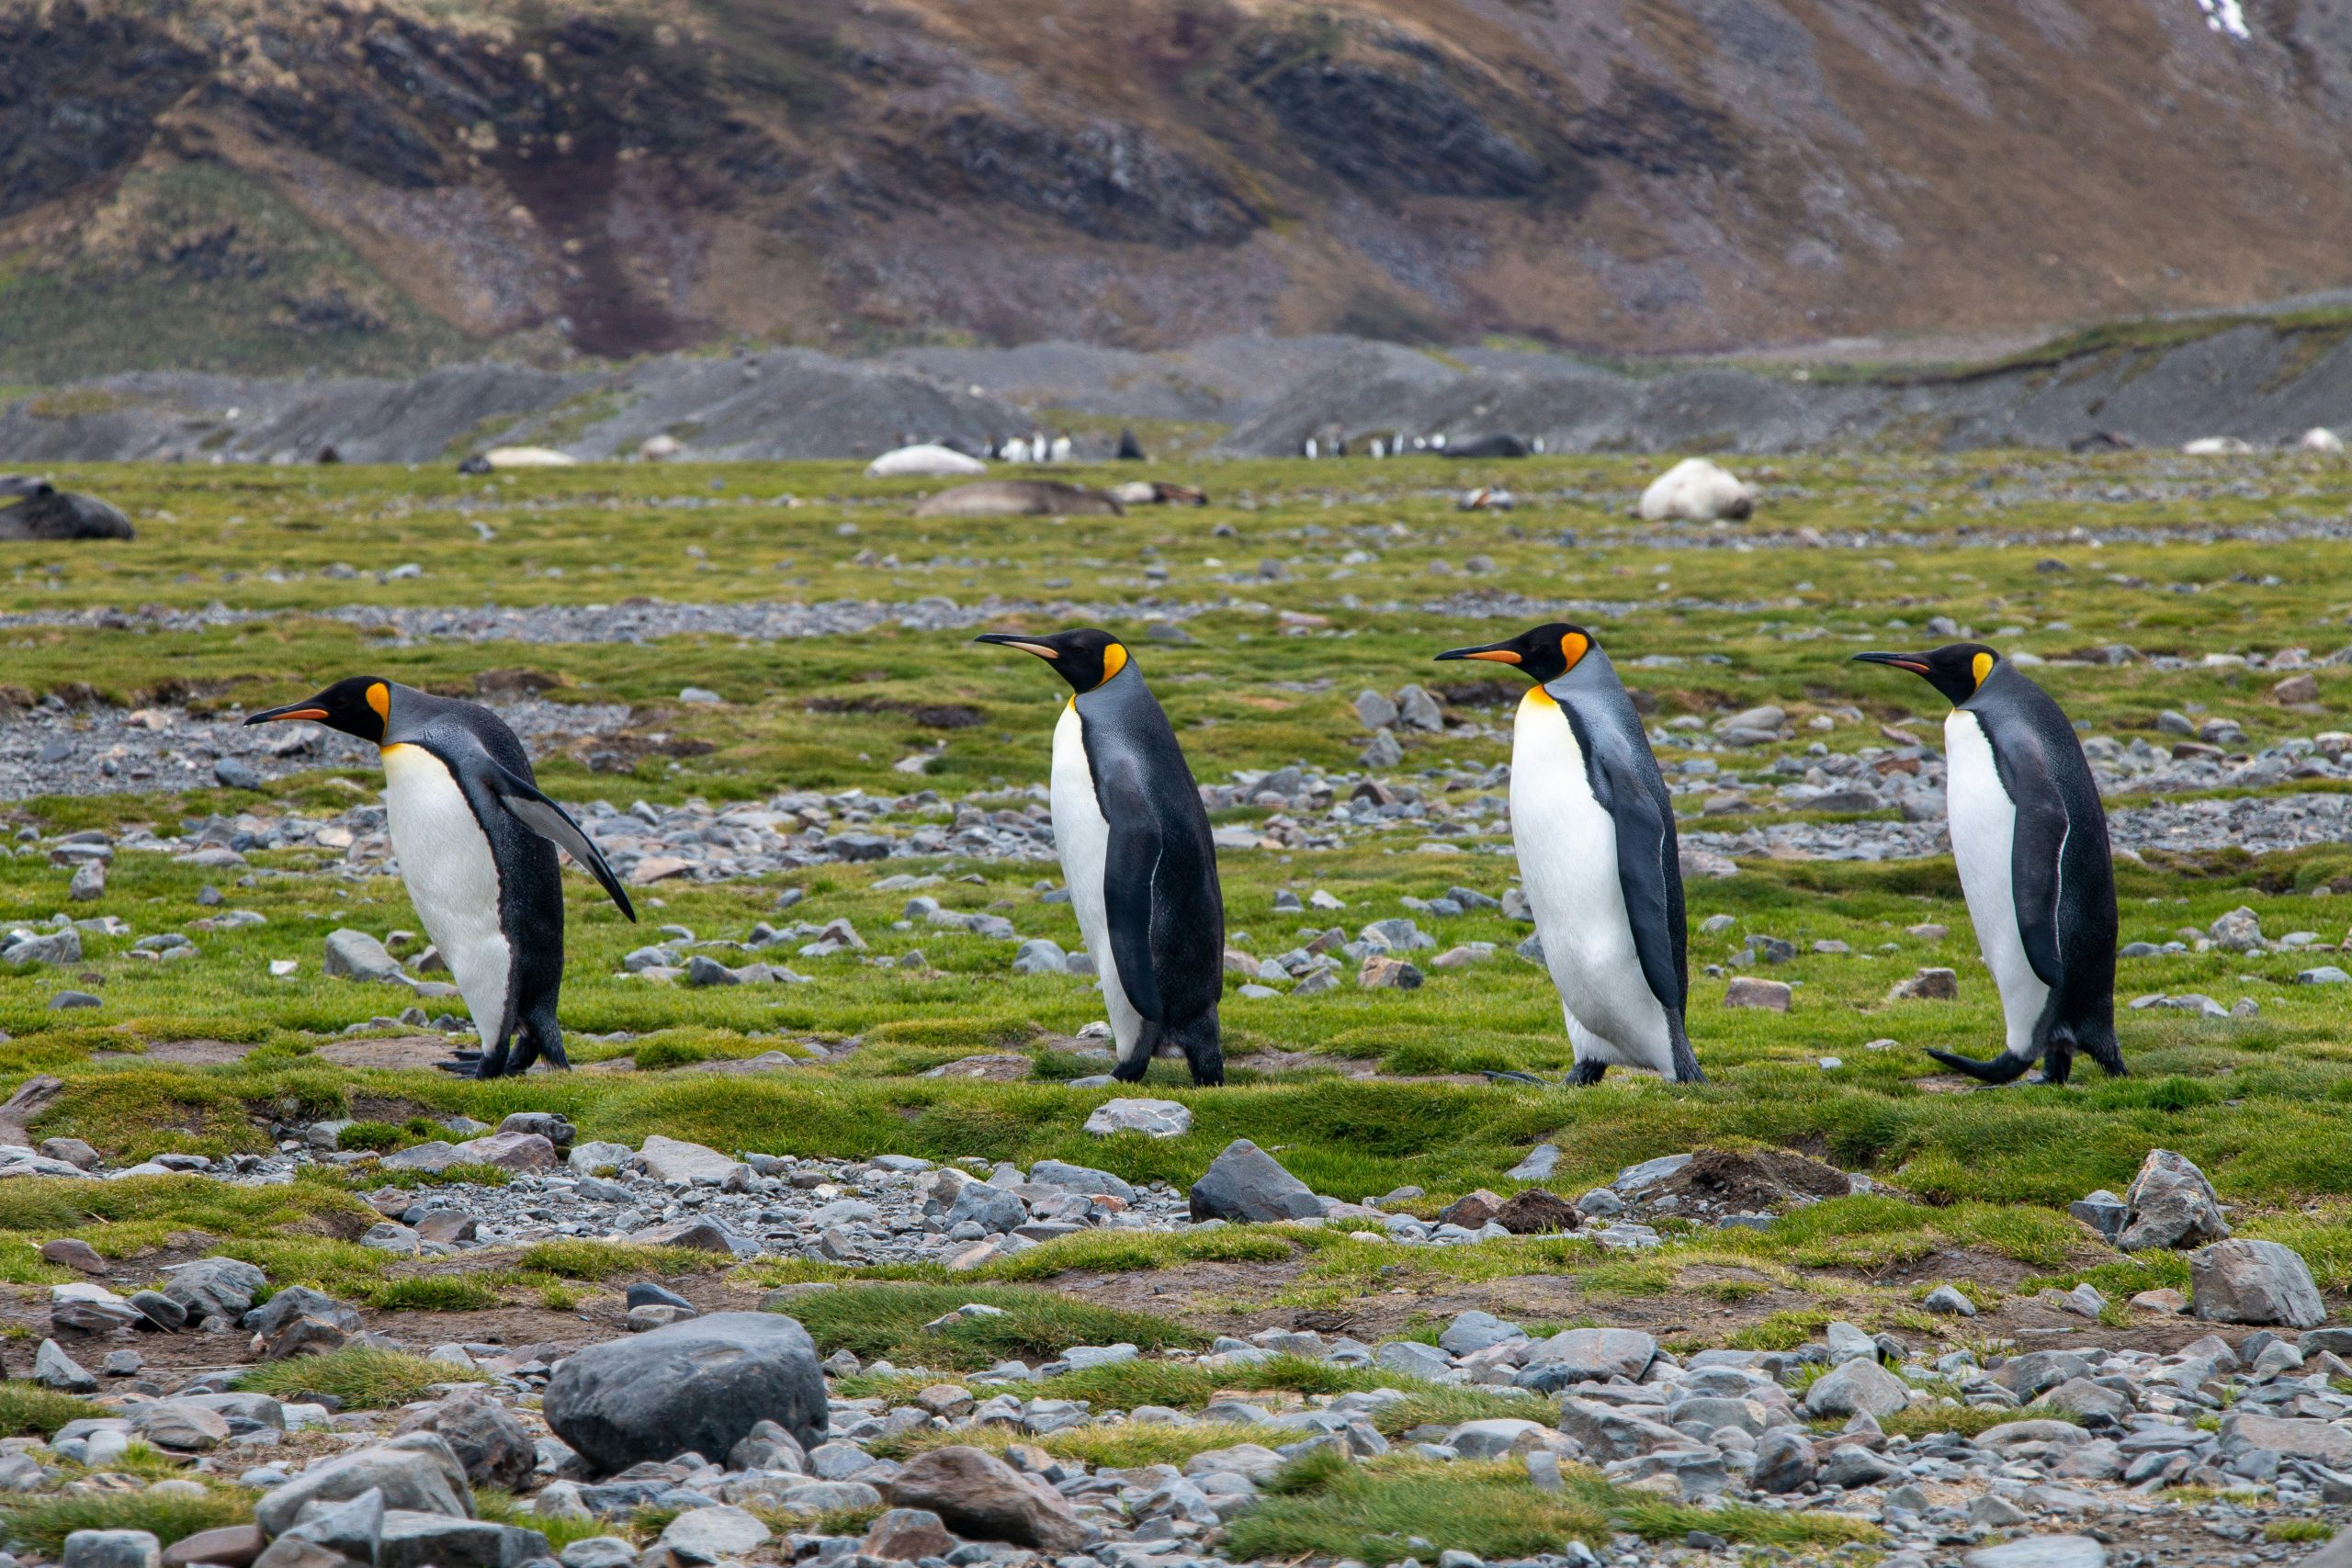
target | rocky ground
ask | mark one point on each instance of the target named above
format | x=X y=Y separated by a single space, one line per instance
x=704 y=1435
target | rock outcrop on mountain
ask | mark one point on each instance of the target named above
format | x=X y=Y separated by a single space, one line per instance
x=235 y=186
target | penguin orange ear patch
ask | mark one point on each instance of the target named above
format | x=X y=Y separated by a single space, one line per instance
x=1981 y=666
x=379 y=697
x=1574 y=645
x=1114 y=659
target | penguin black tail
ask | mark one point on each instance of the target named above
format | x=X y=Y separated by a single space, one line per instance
x=2007 y=1067
x=1686 y=1060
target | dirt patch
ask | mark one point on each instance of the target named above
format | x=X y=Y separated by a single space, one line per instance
x=400 y=1052
x=930 y=716
x=190 y=1053
x=1747 y=1181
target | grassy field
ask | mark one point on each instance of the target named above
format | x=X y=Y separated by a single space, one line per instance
x=1360 y=1091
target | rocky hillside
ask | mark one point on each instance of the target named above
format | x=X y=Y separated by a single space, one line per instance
x=382 y=184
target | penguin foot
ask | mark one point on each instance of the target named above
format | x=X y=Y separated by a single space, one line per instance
x=468 y=1064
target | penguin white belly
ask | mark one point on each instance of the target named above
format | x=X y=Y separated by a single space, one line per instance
x=1984 y=826
x=1568 y=862
x=452 y=879
x=1083 y=836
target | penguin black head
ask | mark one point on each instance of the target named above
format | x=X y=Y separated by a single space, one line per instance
x=1545 y=654
x=361 y=706
x=1086 y=659
x=1956 y=669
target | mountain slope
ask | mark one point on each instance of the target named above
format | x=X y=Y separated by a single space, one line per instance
x=378 y=184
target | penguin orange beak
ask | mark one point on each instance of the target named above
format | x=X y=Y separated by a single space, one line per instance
x=1015 y=639
x=309 y=709
x=1499 y=652
x=1910 y=661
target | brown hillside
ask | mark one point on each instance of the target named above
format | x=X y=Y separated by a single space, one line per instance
x=265 y=185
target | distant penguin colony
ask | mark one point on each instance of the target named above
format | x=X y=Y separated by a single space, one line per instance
x=1594 y=826
x=2030 y=840
x=476 y=841
x=1137 y=855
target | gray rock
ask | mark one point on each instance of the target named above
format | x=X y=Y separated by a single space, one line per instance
x=1857 y=1386
x=1081 y=1178
x=715 y=1535
x=2171 y=1205
x=699 y=1385
x=1413 y=1359
x=704 y=970
x=89 y=881
x=1247 y=1184
x=215 y=1286
x=1784 y=1461
x=2253 y=1281
x=979 y=1496
x=600 y=1552
x=1475 y=1330
x=2103 y=1212
x=2041 y=1551
x=1945 y=1301
x=2097 y=1406
x=2239 y=930
x=1416 y=709
x=2295 y=1437
x=1375 y=711
x=1594 y=1355
x=1492 y=1438
x=1540 y=1162
x=1041 y=956
x=53 y=1369
x=111 y=1548
x=2037 y=1371
x=1153 y=1118
x=1382 y=753
x=417 y=1472
x=434 y=1540
x=495 y=1449
x=235 y=772
x=993 y=1209
x=677 y=1163
x=1610 y=1433
x=181 y=1426
x=1634 y=1178
x=356 y=955
x=1851 y=1464
x=353 y=1529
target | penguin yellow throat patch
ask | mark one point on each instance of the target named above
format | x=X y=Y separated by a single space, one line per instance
x=1538 y=697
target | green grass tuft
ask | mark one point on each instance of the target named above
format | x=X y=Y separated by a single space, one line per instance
x=47 y=1521
x=363 y=1378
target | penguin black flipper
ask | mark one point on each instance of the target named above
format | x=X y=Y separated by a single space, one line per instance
x=2036 y=846
x=529 y=805
x=1128 y=864
x=1650 y=874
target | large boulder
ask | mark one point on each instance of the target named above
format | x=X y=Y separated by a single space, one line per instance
x=702 y=1385
x=495 y=1449
x=2170 y=1203
x=1609 y=1432
x=979 y=1495
x=1247 y=1183
x=417 y=1472
x=2253 y=1281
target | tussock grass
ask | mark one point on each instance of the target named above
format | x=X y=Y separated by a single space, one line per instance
x=573 y=1258
x=46 y=1521
x=363 y=1378
x=27 y=1409
x=878 y=1321
x=1326 y=1507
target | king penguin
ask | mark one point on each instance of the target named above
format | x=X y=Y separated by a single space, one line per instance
x=2031 y=841
x=1594 y=828
x=1136 y=855
x=476 y=841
